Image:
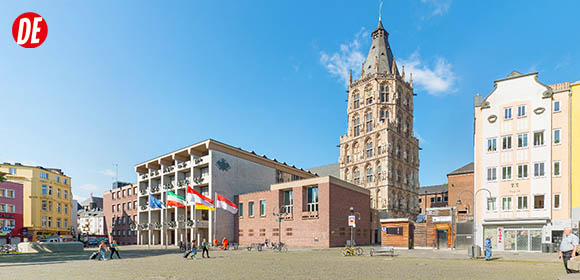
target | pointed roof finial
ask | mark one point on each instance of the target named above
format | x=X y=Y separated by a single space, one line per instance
x=350 y=77
x=380 y=9
x=403 y=74
x=362 y=70
x=411 y=81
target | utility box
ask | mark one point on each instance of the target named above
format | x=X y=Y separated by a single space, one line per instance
x=474 y=251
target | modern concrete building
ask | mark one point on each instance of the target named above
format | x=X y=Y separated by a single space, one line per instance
x=10 y=213
x=46 y=199
x=120 y=209
x=315 y=211
x=460 y=190
x=575 y=151
x=209 y=167
x=379 y=151
x=522 y=163
x=75 y=207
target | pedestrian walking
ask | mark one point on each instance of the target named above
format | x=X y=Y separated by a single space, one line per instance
x=225 y=243
x=205 y=247
x=488 y=248
x=102 y=250
x=568 y=248
x=193 y=250
x=114 y=249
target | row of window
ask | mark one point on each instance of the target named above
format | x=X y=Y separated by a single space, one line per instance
x=7 y=208
x=121 y=207
x=522 y=111
x=7 y=193
x=47 y=206
x=383 y=97
x=506 y=141
x=438 y=199
x=123 y=232
x=369 y=123
x=44 y=175
x=288 y=201
x=47 y=190
x=120 y=194
x=11 y=223
x=522 y=202
x=47 y=222
x=124 y=220
x=522 y=171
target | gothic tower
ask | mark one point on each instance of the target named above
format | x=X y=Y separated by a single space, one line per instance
x=379 y=151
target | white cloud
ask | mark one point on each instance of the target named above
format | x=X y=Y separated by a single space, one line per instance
x=438 y=79
x=108 y=172
x=349 y=57
x=565 y=61
x=438 y=7
x=89 y=187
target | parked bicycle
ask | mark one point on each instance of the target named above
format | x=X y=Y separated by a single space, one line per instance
x=280 y=247
x=352 y=251
x=8 y=248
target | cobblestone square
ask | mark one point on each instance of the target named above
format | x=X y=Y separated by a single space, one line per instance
x=158 y=263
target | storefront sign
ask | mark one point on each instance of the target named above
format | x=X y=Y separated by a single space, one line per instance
x=499 y=235
x=441 y=219
x=351 y=222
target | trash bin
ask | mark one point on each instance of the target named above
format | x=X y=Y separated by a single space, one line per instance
x=474 y=251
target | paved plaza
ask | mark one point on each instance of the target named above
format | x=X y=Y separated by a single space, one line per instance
x=158 y=263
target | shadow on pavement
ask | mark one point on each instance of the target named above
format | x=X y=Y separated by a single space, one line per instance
x=52 y=258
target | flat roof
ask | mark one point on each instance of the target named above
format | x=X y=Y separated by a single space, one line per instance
x=319 y=180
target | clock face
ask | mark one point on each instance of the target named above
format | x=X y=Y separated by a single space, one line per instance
x=223 y=165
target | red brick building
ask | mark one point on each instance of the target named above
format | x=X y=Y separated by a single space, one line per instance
x=432 y=197
x=460 y=182
x=317 y=213
x=120 y=210
x=11 y=213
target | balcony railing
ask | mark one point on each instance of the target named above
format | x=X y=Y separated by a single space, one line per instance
x=168 y=186
x=143 y=190
x=168 y=169
x=200 y=179
x=155 y=188
x=182 y=165
x=312 y=207
x=144 y=207
x=183 y=182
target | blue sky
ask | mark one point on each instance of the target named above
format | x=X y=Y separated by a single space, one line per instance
x=125 y=81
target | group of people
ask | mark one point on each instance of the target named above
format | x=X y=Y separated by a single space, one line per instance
x=193 y=250
x=103 y=248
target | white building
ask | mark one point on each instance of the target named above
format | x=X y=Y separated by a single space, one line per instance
x=209 y=167
x=74 y=218
x=522 y=159
x=92 y=222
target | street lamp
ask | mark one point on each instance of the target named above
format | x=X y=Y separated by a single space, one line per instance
x=280 y=214
x=352 y=213
x=474 y=212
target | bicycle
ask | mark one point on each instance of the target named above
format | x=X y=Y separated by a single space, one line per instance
x=280 y=247
x=352 y=251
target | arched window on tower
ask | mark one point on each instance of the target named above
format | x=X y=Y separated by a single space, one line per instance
x=369 y=119
x=369 y=147
x=384 y=115
x=370 y=177
x=379 y=173
x=356 y=176
x=356 y=102
x=356 y=127
x=384 y=93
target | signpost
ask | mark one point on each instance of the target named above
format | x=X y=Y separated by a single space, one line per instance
x=352 y=224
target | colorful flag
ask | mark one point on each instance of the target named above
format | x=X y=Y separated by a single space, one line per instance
x=201 y=202
x=224 y=203
x=154 y=202
x=175 y=200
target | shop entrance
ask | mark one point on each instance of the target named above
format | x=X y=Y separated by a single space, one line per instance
x=442 y=239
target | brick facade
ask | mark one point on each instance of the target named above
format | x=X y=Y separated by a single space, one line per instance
x=327 y=227
x=120 y=210
x=461 y=188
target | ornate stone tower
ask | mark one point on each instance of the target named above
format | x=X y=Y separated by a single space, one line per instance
x=379 y=151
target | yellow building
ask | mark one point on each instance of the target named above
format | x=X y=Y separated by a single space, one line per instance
x=575 y=150
x=46 y=199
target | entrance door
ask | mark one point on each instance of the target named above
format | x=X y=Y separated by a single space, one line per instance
x=442 y=239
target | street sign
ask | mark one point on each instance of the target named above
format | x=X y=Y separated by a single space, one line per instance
x=384 y=229
x=351 y=221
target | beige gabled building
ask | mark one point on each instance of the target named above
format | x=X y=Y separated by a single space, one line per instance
x=379 y=151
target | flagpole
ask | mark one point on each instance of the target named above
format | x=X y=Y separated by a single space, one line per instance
x=165 y=221
x=186 y=202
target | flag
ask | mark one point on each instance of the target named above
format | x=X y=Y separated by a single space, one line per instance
x=201 y=202
x=224 y=203
x=154 y=202
x=175 y=200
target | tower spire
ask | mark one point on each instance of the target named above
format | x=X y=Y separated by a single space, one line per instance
x=380 y=9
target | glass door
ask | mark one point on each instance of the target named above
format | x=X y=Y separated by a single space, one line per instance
x=522 y=240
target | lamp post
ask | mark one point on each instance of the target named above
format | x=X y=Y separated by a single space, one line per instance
x=352 y=213
x=474 y=211
x=280 y=214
